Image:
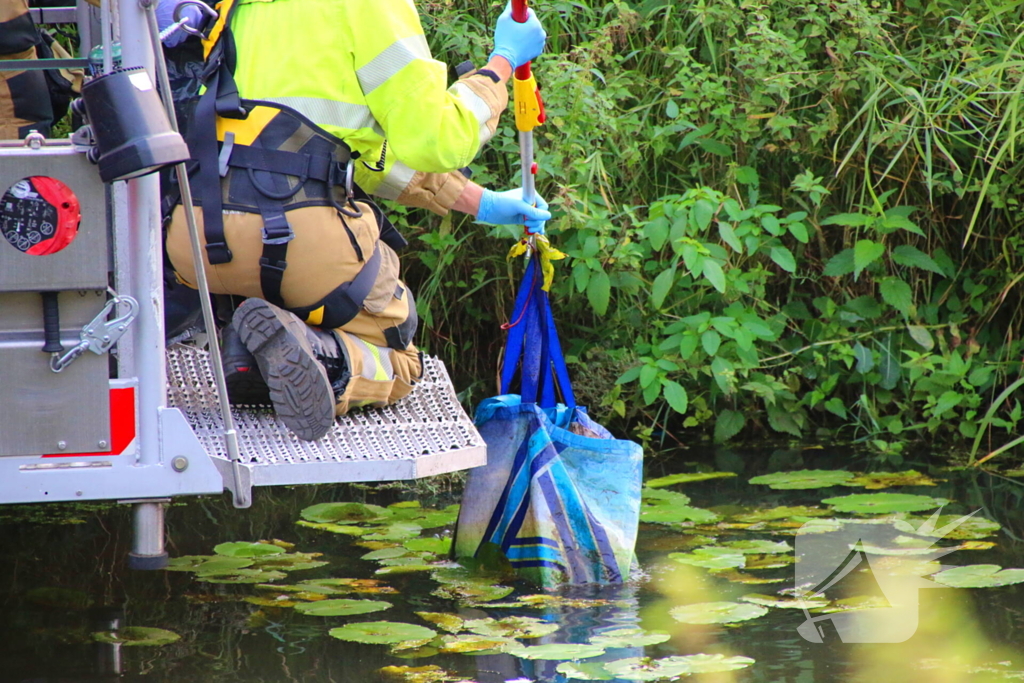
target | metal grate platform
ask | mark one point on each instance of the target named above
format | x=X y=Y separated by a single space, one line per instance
x=425 y=433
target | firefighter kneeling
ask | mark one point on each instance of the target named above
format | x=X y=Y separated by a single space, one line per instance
x=328 y=322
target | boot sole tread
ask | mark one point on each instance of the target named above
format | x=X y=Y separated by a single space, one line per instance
x=298 y=385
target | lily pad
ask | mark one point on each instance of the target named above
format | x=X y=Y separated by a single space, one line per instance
x=438 y=546
x=452 y=623
x=781 y=513
x=457 y=583
x=553 y=602
x=558 y=651
x=344 y=529
x=883 y=503
x=474 y=643
x=717 y=612
x=711 y=558
x=665 y=514
x=417 y=566
x=584 y=671
x=807 y=603
x=854 y=603
x=333 y=513
x=427 y=517
x=243 y=576
x=651 y=496
x=768 y=561
x=979 y=576
x=208 y=564
x=754 y=546
x=386 y=553
x=709 y=664
x=418 y=674
x=512 y=627
x=740 y=577
x=804 y=479
x=243 y=549
x=399 y=531
x=684 y=478
x=342 y=607
x=290 y=562
x=629 y=637
x=884 y=480
x=973 y=527
x=647 y=669
x=381 y=632
x=137 y=636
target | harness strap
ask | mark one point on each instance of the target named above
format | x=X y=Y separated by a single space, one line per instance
x=346 y=300
x=277 y=233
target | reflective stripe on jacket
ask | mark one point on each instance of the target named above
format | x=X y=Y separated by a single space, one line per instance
x=361 y=69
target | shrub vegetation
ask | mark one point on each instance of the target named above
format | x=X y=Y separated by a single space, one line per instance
x=782 y=216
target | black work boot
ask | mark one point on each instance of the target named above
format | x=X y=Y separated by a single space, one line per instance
x=245 y=384
x=283 y=345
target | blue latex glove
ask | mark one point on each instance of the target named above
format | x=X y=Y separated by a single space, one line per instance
x=508 y=208
x=165 y=17
x=518 y=43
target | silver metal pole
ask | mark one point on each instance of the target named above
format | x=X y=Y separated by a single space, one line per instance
x=526 y=166
x=106 y=19
x=148 y=550
x=242 y=494
x=144 y=236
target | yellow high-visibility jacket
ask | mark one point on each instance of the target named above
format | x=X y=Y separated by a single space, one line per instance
x=361 y=69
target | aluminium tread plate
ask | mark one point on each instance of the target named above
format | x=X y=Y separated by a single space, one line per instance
x=426 y=433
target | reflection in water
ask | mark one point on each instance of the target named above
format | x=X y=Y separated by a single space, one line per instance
x=963 y=635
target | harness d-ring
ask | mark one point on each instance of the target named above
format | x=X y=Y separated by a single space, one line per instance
x=288 y=194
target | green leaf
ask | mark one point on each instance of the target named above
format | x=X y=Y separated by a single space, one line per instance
x=884 y=480
x=922 y=336
x=728 y=424
x=865 y=361
x=729 y=237
x=630 y=375
x=947 y=401
x=656 y=231
x=558 y=651
x=685 y=478
x=662 y=286
x=711 y=558
x=344 y=512
x=646 y=669
x=671 y=109
x=783 y=257
x=711 y=341
x=848 y=219
x=759 y=547
x=715 y=147
x=703 y=212
x=724 y=374
x=629 y=637
x=979 y=576
x=745 y=175
x=771 y=224
x=799 y=231
x=804 y=479
x=883 y=503
x=243 y=549
x=865 y=252
x=341 y=607
x=717 y=663
x=512 y=627
x=906 y=255
x=713 y=273
x=381 y=632
x=840 y=264
x=687 y=345
x=599 y=291
x=717 y=612
x=137 y=636
x=584 y=671
x=675 y=394
x=898 y=294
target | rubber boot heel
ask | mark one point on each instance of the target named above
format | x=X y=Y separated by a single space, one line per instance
x=299 y=388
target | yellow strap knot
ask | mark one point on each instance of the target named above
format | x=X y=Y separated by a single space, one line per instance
x=545 y=252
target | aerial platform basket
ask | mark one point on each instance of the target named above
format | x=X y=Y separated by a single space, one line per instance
x=116 y=414
x=424 y=434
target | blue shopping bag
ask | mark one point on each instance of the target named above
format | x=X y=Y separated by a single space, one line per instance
x=559 y=496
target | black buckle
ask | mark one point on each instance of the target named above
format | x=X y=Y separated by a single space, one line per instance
x=276 y=230
x=218 y=252
x=267 y=264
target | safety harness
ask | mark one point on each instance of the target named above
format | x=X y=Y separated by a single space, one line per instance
x=266 y=158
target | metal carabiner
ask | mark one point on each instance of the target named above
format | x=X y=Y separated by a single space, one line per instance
x=182 y=23
x=100 y=334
